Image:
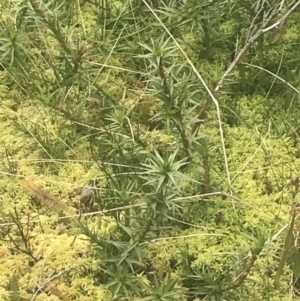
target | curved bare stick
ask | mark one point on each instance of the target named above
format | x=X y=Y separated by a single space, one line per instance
x=277 y=25
x=250 y=40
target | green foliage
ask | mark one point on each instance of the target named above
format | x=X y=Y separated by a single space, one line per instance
x=114 y=182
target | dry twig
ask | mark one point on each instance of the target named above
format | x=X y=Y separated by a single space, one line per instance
x=265 y=27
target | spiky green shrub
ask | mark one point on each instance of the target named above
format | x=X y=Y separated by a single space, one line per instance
x=121 y=178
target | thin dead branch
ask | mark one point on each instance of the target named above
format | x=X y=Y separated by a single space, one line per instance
x=254 y=38
x=50 y=278
x=264 y=28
